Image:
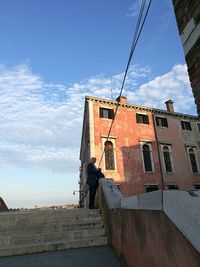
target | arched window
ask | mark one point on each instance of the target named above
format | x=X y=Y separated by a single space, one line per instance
x=109 y=155
x=167 y=159
x=193 y=160
x=147 y=158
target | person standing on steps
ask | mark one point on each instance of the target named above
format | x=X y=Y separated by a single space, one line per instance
x=92 y=181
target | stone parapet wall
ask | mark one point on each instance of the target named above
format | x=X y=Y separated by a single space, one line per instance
x=155 y=229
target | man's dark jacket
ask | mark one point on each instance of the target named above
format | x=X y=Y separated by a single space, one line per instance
x=91 y=174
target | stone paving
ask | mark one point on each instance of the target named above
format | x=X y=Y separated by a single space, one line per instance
x=83 y=257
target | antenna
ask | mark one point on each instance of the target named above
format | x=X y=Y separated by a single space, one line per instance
x=111 y=90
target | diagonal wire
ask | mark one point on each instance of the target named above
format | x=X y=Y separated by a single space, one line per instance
x=138 y=30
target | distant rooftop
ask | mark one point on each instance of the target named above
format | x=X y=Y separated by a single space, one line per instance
x=3 y=206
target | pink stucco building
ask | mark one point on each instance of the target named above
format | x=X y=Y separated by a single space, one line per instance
x=148 y=148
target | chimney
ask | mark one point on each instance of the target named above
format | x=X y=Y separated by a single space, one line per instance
x=169 y=104
x=122 y=99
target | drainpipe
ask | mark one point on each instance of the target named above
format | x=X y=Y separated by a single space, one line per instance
x=159 y=157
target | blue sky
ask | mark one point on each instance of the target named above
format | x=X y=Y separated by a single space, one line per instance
x=52 y=54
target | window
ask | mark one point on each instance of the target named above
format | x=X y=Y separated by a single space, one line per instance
x=151 y=187
x=196 y=186
x=106 y=113
x=142 y=118
x=193 y=160
x=167 y=158
x=162 y=122
x=109 y=155
x=147 y=158
x=198 y=127
x=172 y=187
x=186 y=125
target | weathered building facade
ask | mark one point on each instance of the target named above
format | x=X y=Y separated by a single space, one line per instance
x=148 y=149
x=188 y=20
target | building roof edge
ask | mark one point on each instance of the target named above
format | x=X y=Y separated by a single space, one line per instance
x=144 y=108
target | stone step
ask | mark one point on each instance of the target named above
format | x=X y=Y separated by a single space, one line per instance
x=54 y=245
x=48 y=221
x=48 y=213
x=53 y=227
x=51 y=213
x=37 y=231
x=20 y=239
x=28 y=220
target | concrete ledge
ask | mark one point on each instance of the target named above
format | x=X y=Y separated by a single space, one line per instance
x=130 y=203
x=112 y=194
x=146 y=201
x=181 y=207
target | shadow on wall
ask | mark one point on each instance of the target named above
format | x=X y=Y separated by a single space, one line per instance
x=141 y=169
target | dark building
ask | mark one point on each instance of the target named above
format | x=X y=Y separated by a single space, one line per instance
x=188 y=20
x=3 y=206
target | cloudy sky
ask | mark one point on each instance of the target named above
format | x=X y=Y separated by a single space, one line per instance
x=52 y=54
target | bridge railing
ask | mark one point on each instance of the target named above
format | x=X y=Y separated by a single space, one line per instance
x=140 y=232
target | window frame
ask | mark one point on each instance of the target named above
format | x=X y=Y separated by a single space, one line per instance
x=103 y=140
x=184 y=128
x=196 y=185
x=110 y=113
x=173 y=186
x=143 y=116
x=198 y=127
x=113 y=156
x=195 y=157
x=161 y=119
x=151 y=186
x=170 y=156
x=151 y=156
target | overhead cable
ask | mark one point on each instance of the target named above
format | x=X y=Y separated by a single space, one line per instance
x=142 y=16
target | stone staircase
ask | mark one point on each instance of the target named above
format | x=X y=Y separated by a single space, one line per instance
x=48 y=230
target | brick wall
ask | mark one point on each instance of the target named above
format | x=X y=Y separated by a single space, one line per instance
x=126 y=135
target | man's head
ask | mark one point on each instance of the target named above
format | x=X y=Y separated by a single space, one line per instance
x=93 y=160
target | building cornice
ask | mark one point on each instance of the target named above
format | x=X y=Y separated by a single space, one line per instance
x=142 y=108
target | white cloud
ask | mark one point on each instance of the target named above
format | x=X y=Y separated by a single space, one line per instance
x=173 y=85
x=40 y=123
x=134 y=9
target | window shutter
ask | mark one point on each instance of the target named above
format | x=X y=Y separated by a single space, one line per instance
x=111 y=114
x=193 y=162
x=189 y=126
x=147 y=158
x=186 y=125
x=101 y=112
x=157 y=121
x=167 y=160
x=109 y=156
x=138 y=118
x=146 y=119
x=161 y=122
x=165 y=123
